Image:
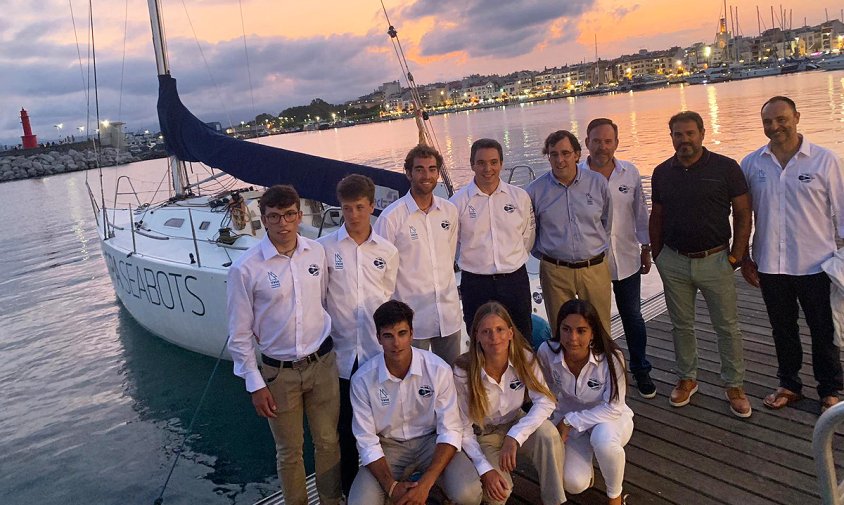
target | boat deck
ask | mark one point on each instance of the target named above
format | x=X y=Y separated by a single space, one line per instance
x=701 y=454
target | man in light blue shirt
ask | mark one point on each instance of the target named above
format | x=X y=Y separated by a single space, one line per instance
x=572 y=208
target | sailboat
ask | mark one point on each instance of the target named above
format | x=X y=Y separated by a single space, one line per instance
x=168 y=261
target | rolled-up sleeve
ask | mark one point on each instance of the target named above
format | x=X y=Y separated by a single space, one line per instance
x=470 y=443
x=369 y=446
x=640 y=213
x=449 y=425
x=241 y=335
x=540 y=410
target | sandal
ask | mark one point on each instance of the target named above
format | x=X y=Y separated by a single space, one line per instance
x=827 y=402
x=781 y=398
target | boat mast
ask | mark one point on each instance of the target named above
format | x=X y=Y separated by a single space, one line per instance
x=177 y=166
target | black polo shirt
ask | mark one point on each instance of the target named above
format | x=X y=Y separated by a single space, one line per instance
x=696 y=201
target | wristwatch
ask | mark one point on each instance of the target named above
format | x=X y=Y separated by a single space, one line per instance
x=735 y=263
x=566 y=422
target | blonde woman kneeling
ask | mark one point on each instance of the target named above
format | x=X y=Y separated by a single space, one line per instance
x=493 y=380
x=591 y=414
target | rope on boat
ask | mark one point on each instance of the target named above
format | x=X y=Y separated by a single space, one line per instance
x=160 y=499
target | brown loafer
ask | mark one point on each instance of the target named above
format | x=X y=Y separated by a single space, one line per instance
x=682 y=392
x=739 y=404
x=827 y=402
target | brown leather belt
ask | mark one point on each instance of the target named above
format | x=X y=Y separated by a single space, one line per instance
x=702 y=254
x=325 y=348
x=596 y=260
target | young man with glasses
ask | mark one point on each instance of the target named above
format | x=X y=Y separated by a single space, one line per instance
x=275 y=292
x=572 y=209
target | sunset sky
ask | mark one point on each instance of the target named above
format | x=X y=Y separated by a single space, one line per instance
x=332 y=49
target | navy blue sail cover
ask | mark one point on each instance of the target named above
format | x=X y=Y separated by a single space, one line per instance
x=314 y=177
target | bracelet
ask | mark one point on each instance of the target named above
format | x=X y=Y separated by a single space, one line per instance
x=392 y=488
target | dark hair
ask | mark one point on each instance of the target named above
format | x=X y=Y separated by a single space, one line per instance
x=392 y=312
x=356 y=186
x=279 y=196
x=602 y=344
x=780 y=98
x=485 y=144
x=601 y=121
x=422 y=151
x=686 y=115
x=558 y=136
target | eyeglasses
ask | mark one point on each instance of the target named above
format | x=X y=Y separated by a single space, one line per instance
x=562 y=154
x=289 y=216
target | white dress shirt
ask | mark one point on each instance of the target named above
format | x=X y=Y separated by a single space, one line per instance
x=629 y=219
x=427 y=243
x=422 y=403
x=276 y=302
x=585 y=400
x=505 y=400
x=496 y=231
x=793 y=208
x=360 y=278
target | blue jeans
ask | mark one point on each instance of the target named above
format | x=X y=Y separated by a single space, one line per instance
x=682 y=278
x=628 y=299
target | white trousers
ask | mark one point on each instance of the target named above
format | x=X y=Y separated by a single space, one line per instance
x=606 y=441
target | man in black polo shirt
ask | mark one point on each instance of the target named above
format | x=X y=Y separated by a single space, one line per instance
x=693 y=193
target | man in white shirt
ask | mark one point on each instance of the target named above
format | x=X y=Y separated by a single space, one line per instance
x=275 y=292
x=362 y=270
x=495 y=235
x=630 y=248
x=797 y=188
x=406 y=420
x=423 y=227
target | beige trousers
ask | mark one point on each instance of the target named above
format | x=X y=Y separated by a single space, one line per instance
x=561 y=284
x=313 y=391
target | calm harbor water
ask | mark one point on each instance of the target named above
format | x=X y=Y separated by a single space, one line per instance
x=92 y=406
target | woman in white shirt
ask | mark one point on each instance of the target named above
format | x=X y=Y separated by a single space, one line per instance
x=493 y=380
x=591 y=415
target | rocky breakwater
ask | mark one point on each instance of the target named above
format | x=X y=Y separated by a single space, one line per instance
x=24 y=166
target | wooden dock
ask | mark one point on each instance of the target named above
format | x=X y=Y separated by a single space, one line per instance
x=701 y=454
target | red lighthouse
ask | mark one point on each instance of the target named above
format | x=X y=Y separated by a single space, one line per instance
x=29 y=140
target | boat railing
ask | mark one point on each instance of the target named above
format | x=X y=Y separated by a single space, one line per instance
x=832 y=490
x=530 y=171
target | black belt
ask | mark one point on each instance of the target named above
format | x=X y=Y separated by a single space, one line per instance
x=596 y=260
x=522 y=270
x=325 y=348
x=702 y=254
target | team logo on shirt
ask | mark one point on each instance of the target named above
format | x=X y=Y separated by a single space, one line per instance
x=384 y=397
x=624 y=188
x=806 y=178
x=509 y=208
x=594 y=383
x=313 y=269
x=537 y=297
x=555 y=376
x=761 y=175
x=413 y=234
x=426 y=391
x=516 y=384
x=379 y=263
x=274 y=283
x=472 y=212
x=446 y=224
x=589 y=199
x=338 y=261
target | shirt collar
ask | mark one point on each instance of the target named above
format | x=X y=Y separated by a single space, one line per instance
x=343 y=234
x=411 y=203
x=384 y=375
x=702 y=161
x=576 y=179
x=268 y=250
x=474 y=190
x=805 y=148
x=485 y=376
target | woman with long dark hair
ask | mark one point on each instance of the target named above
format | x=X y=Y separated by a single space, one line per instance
x=585 y=370
x=493 y=379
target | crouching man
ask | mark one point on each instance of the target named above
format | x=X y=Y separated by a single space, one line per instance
x=406 y=421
